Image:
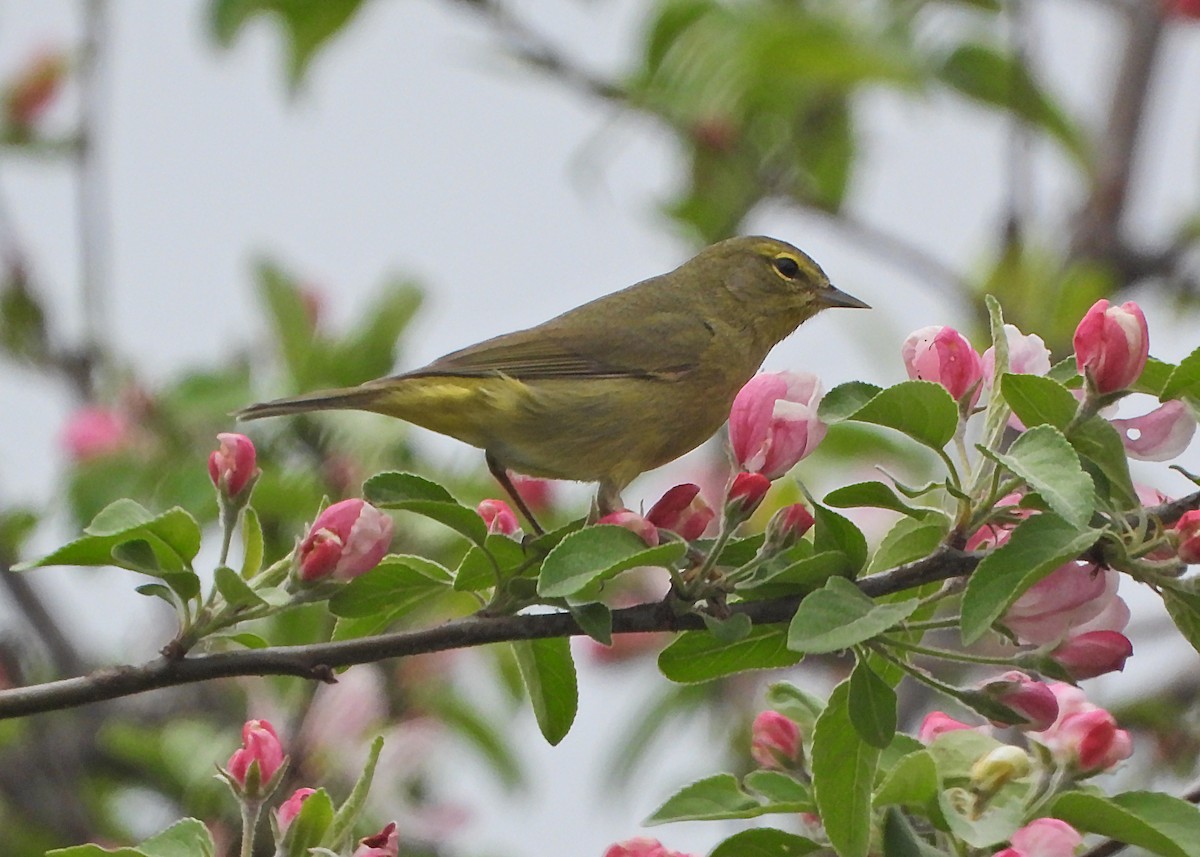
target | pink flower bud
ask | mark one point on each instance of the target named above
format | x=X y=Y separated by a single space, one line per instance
x=788 y=526
x=1160 y=435
x=1084 y=736
x=1182 y=9
x=1112 y=344
x=682 y=510
x=290 y=808
x=538 y=494
x=746 y=493
x=1043 y=837
x=775 y=740
x=1031 y=699
x=385 y=843
x=92 y=432
x=1069 y=597
x=499 y=517
x=261 y=747
x=943 y=355
x=1187 y=531
x=1093 y=653
x=633 y=522
x=938 y=723
x=1027 y=355
x=347 y=539
x=773 y=423
x=34 y=89
x=641 y=846
x=232 y=466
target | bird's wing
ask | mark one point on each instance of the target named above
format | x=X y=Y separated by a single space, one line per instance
x=658 y=344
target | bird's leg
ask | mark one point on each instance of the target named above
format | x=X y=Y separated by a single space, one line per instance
x=497 y=470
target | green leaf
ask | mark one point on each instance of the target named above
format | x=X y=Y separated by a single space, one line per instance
x=795 y=578
x=596 y=621
x=397 y=586
x=411 y=493
x=999 y=80
x=780 y=789
x=308 y=25
x=912 y=781
x=348 y=812
x=1151 y=820
x=172 y=538
x=722 y=796
x=252 y=543
x=1184 y=380
x=696 y=656
x=248 y=640
x=909 y=539
x=1183 y=605
x=872 y=494
x=731 y=629
x=843 y=771
x=872 y=706
x=1036 y=547
x=845 y=399
x=839 y=616
x=1104 y=457
x=549 y=674
x=764 y=842
x=924 y=411
x=498 y=558
x=1044 y=459
x=1037 y=400
x=187 y=837
x=834 y=532
x=308 y=828
x=235 y=591
x=1003 y=815
x=593 y=555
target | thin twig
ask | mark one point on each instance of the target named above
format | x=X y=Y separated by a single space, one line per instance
x=92 y=209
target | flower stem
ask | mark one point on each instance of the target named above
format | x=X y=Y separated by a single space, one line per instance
x=250 y=812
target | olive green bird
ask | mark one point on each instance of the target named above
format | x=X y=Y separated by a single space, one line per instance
x=613 y=388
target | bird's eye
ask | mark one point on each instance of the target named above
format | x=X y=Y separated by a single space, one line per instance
x=787 y=266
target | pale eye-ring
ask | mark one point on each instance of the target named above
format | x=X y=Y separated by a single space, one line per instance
x=787 y=266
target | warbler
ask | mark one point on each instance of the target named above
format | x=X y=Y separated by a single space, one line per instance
x=612 y=388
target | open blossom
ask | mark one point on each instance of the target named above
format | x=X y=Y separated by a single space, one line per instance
x=1084 y=736
x=1160 y=435
x=773 y=422
x=1043 y=837
x=1031 y=699
x=290 y=808
x=347 y=539
x=1093 y=653
x=1027 y=355
x=499 y=517
x=633 y=522
x=93 y=431
x=682 y=510
x=775 y=740
x=385 y=843
x=942 y=355
x=232 y=466
x=261 y=747
x=1070 y=598
x=1112 y=344
x=1187 y=532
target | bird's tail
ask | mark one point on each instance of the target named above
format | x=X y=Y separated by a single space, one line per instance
x=349 y=398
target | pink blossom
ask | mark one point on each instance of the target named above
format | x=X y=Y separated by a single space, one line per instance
x=745 y=494
x=773 y=422
x=942 y=355
x=1027 y=355
x=938 y=723
x=1043 y=837
x=1031 y=699
x=1084 y=736
x=641 y=846
x=1160 y=435
x=93 y=431
x=1112 y=345
x=1187 y=532
x=499 y=517
x=232 y=466
x=290 y=808
x=788 y=526
x=1069 y=597
x=385 y=843
x=682 y=510
x=633 y=522
x=1093 y=653
x=347 y=539
x=775 y=740
x=261 y=747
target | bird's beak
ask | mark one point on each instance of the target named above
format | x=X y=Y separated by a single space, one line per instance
x=831 y=297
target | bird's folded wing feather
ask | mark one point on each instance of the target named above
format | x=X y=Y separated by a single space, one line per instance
x=662 y=344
